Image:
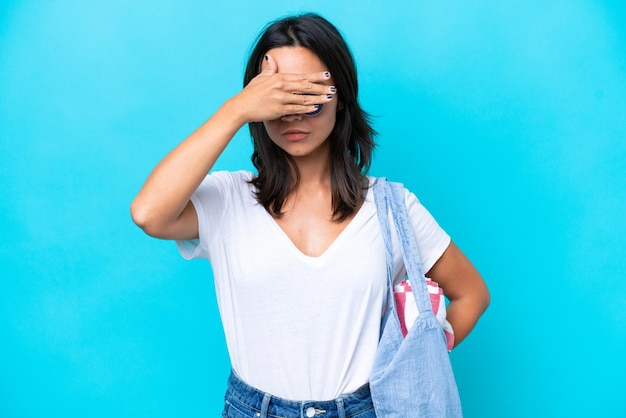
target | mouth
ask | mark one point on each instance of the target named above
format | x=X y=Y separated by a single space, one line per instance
x=295 y=134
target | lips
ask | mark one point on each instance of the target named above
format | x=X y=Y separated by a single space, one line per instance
x=295 y=134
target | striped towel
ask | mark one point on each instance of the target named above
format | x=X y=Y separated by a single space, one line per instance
x=407 y=310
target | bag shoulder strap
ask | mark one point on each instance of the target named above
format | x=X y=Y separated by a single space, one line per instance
x=391 y=196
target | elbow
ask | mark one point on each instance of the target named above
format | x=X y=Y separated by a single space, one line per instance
x=485 y=299
x=155 y=222
x=143 y=218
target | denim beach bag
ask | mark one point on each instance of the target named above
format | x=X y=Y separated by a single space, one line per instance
x=412 y=376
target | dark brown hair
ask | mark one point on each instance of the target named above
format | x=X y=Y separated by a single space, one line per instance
x=352 y=138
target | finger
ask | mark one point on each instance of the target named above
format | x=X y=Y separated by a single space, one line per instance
x=298 y=109
x=311 y=99
x=307 y=87
x=269 y=66
x=300 y=104
x=319 y=77
x=304 y=99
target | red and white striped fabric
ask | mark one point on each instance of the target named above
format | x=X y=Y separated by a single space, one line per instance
x=407 y=310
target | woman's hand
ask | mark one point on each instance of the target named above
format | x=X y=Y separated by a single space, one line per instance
x=271 y=94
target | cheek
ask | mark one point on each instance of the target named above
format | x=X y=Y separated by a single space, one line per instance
x=270 y=128
x=327 y=122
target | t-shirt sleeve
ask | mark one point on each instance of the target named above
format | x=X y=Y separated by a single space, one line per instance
x=209 y=200
x=432 y=240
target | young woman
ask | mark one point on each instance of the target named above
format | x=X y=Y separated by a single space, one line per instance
x=296 y=250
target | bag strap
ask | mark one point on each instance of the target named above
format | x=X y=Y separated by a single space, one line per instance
x=391 y=196
x=382 y=209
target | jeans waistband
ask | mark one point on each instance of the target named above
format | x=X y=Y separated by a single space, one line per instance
x=266 y=405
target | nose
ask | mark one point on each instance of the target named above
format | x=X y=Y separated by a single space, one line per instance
x=291 y=118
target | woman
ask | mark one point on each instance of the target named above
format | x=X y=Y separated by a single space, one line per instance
x=296 y=251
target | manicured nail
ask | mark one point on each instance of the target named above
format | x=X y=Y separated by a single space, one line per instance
x=333 y=89
x=329 y=96
x=267 y=58
x=326 y=74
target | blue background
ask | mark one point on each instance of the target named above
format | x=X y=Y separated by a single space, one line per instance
x=506 y=118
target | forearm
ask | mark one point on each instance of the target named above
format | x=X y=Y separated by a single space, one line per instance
x=464 y=287
x=463 y=314
x=168 y=188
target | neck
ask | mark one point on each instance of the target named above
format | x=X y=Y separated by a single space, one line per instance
x=312 y=174
x=314 y=170
x=313 y=189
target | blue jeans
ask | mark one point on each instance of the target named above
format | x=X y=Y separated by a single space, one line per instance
x=243 y=401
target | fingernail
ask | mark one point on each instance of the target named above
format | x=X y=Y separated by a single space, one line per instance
x=267 y=58
x=329 y=96
x=327 y=74
x=333 y=89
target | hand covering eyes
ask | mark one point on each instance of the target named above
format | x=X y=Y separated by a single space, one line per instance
x=318 y=107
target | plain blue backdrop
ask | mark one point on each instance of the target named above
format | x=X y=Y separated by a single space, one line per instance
x=507 y=119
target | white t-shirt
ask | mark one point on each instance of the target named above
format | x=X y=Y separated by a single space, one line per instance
x=298 y=327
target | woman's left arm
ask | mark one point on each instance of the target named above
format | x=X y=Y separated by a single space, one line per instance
x=464 y=287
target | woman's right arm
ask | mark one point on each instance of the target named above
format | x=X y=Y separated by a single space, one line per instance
x=162 y=207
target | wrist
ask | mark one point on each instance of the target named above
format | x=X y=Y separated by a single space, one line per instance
x=233 y=112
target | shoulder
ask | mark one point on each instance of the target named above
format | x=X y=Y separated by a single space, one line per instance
x=410 y=197
x=228 y=180
x=234 y=177
x=224 y=185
